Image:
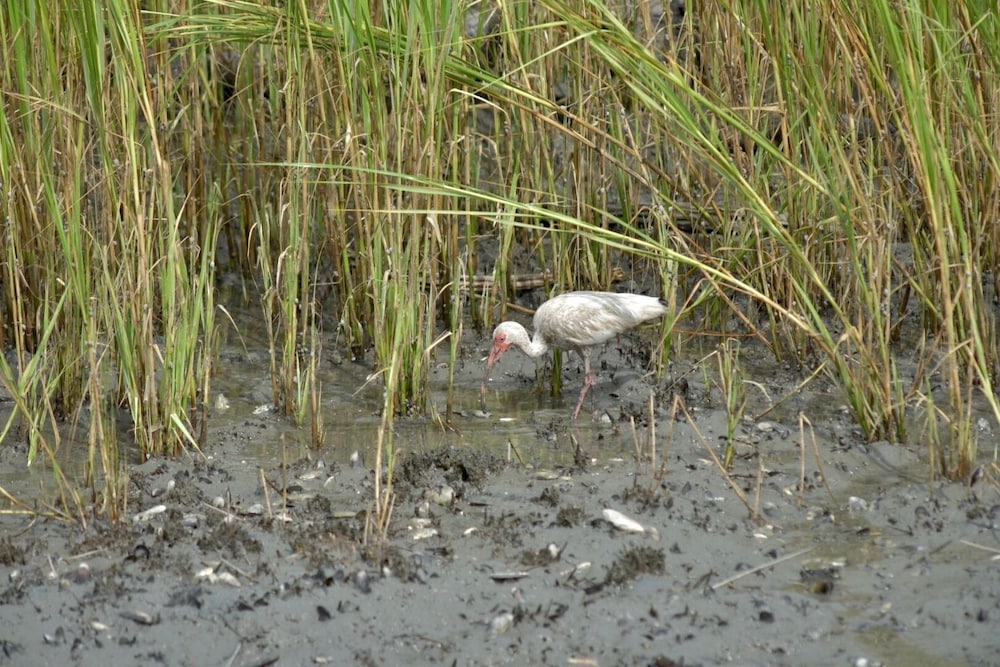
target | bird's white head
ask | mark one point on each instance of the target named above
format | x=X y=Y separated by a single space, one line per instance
x=505 y=335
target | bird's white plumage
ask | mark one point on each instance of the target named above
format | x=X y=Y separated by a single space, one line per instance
x=577 y=321
x=584 y=319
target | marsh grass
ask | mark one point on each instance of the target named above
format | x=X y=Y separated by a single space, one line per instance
x=823 y=181
x=109 y=279
x=806 y=167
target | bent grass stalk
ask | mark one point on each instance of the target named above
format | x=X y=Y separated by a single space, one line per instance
x=732 y=383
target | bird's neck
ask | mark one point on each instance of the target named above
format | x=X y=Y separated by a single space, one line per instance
x=536 y=347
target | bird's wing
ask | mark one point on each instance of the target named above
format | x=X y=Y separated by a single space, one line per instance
x=583 y=319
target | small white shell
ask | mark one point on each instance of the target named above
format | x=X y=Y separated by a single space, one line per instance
x=210 y=575
x=622 y=522
x=501 y=623
x=418 y=522
x=157 y=492
x=228 y=578
x=423 y=533
x=149 y=514
x=442 y=495
x=629 y=525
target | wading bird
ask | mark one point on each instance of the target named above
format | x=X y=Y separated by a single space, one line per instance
x=577 y=321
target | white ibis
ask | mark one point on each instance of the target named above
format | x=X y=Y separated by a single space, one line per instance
x=576 y=321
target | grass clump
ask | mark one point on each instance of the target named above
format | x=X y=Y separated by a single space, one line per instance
x=825 y=178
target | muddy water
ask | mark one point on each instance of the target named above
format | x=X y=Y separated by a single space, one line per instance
x=500 y=549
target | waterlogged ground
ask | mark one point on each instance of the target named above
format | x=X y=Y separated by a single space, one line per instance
x=519 y=538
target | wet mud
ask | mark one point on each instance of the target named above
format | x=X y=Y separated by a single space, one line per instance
x=521 y=537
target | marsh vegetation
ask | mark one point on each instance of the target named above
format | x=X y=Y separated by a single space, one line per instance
x=823 y=181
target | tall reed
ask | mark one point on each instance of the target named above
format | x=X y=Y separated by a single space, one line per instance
x=829 y=183
x=111 y=279
x=824 y=178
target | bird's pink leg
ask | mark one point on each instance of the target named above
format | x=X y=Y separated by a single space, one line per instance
x=589 y=380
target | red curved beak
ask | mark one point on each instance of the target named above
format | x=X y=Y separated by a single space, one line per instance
x=499 y=347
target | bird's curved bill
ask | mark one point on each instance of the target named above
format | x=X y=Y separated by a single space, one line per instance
x=495 y=355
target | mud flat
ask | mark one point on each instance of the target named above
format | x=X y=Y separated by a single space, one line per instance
x=502 y=550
